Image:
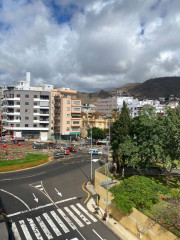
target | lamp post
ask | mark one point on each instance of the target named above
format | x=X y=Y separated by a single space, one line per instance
x=12 y=134
x=91 y=154
x=107 y=176
x=1 y=126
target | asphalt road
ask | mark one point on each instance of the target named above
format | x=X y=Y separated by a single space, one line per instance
x=47 y=202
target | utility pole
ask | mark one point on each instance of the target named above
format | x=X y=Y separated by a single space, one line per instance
x=91 y=154
x=107 y=175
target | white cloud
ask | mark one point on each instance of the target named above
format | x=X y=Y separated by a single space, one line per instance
x=102 y=44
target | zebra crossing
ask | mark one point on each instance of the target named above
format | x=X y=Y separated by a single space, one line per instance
x=53 y=224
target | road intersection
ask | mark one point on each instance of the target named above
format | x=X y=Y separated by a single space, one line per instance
x=48 y=202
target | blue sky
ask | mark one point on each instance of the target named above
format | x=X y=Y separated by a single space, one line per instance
x=89 y=45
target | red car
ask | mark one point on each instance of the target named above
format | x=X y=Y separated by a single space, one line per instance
x=66 y=151
x=71 y=149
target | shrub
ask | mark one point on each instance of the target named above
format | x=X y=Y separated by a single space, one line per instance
x=137 y=191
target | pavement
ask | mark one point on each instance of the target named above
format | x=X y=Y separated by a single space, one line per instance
x=3 y=228
x=111 y=223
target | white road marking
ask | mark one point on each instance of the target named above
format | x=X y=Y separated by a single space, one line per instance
x=44 y=228
x=98 y=235
x=59 y=193
x=34 y=228
x=71 y=224
x=80 y=214
x=37 y=186
x=35 y=198
x=25 y=230
x=40 y=207
x=74 y=217
x=15 y=232
x=86 y=212
x=61 y=224
x=8 y=179
x=51 y=223
x=16 y=198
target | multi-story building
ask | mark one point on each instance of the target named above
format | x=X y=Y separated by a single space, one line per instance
x=94 y=119
x=1 y=100
x=26 y=110
x=65 y=114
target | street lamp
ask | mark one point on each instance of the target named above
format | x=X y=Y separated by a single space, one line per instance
x=107 y=175
x=91 y=154
x=1 y=126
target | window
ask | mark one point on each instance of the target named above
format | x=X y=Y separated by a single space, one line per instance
x=35 y=103
x=26 y=110
x=76 y=102
x=76 y=122
x=26 y=103
x=35 y=118
x=35 y=111
x=76 y=109
x=34 y=125
x=68 y=101
x=17 y=125
x=74 y=129
x=68 y=115
x=18 y=95
x=35 y=96
x=18 y=103
x=26 y=125
x=65 y=95
x=68 y=108
x=67 y=129
x=68 y=122
x=17 y=110
x=27 y=96
x=26 y=118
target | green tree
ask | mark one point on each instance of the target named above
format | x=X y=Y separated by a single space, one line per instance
x=97 y=133
x=119 y=131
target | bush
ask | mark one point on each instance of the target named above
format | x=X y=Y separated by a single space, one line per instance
x=137 y=191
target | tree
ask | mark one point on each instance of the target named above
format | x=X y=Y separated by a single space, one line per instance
x=119 y=131
x=97 y=133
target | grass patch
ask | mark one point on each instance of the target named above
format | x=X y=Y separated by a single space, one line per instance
x=30 y=160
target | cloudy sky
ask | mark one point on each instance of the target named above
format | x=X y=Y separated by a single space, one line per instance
x=89 y=45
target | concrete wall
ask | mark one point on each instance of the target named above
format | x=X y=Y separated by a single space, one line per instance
x=136 y=222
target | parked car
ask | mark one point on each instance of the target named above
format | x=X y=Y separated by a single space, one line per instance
x=95 y=152
x=71 y=149
x=18 y=139
x=3 y=140
x=66 y=151
x=39 y=145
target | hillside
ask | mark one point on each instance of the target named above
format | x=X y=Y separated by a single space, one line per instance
x=150 y=89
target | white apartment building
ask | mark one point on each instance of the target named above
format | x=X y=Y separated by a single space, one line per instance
x=107 y=105
x=26 y=110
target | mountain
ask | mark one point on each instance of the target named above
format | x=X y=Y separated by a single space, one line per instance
x=150 y=89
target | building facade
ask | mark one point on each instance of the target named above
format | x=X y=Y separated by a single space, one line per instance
x=65 y=114
x=26 y=110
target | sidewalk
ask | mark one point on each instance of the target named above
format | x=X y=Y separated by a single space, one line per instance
x=3 y=229
x=111 y=223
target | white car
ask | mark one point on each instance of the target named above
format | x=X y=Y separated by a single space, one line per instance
x=100 y=153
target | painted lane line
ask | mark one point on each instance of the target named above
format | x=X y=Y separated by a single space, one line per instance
x=15 y=232
x=35 y=229
x=86 y=192
x=74 y=217
x=40 y=207
x=98 y=235
x=37 y=186
x=51 y=223
x=44 y=228
x=86 y=212
x=16 y=198
x=80 y=214
x=71 y=224
x=25 y=230
x=58 y=220
x=9 y=179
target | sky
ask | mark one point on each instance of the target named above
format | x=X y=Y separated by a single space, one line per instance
x=88 y=45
